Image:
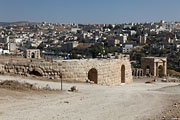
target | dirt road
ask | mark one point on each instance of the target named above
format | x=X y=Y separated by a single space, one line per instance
x=93 y=102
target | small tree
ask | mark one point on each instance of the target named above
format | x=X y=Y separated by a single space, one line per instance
x=73 y=55
x=96 y=50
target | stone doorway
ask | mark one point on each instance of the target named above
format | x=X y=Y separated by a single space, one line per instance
x=160 y=71
x=147 y=71
x=32 y=55
x=123 y=74
x=93 y=75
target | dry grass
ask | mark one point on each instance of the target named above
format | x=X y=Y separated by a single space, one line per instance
x=173 y=73
x=15 y=85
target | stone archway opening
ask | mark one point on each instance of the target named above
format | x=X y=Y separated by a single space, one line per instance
x=93 y=75
x=35 y=73
x=32 y=55
x=160 y=71
x=147 y=71
x=123 y=74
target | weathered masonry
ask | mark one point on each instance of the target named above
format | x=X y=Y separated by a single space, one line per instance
x=100 y=71
x=32 y=53
x=155 y=66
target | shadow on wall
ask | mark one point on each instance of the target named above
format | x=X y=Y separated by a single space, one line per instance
x=36 y=73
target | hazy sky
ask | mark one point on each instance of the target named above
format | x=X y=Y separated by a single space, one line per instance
x=89 y=11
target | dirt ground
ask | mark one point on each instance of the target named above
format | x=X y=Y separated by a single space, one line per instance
x=137 y=101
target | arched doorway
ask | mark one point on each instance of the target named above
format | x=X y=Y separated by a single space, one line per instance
x=160 y=71
x=93 y=75
x=123 y=74
x=147 y=71
x=32 y=55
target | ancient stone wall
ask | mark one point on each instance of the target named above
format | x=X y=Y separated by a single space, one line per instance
x=100 y=71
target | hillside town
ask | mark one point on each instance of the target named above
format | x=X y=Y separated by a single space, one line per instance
x=80 y=41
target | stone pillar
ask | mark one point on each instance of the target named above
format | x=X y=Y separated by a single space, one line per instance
x=155 y=69
x=141 y=73
x=164 y=68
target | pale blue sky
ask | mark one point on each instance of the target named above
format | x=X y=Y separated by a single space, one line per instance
x=89 y=11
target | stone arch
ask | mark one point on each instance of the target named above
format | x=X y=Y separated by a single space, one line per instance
x=36 y=72
x=123 y=79
x=32 y=55
x=93 y=75
x=147 y=70
x=160 y=71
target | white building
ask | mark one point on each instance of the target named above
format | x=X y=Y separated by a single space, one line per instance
x=12 y=47
x=127 y=48
x=74 y=30
x=143 y=39
x=18 y=40
x=1 y=51
x=5 y=52
x=123 y=38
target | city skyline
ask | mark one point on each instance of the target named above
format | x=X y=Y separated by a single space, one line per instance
x=89 y=12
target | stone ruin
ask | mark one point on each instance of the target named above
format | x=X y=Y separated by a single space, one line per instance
x=99 y=71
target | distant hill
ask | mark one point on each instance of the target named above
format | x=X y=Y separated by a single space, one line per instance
x=18 y=23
